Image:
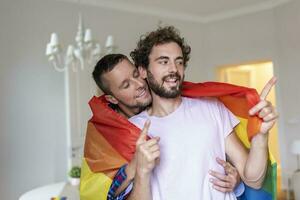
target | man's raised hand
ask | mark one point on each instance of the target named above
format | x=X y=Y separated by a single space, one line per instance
x=147 y=151
x=264 y=108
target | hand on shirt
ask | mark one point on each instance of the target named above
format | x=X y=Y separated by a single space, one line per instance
x=225 y=182
x=147 y=152
x=264 y=108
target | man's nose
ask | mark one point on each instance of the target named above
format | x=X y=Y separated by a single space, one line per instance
x=172 y=67
x=139 y=82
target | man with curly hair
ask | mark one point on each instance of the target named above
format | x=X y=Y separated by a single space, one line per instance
x=128 y=94
x=191 y=131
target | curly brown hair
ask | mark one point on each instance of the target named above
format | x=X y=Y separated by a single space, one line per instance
x=162 y=35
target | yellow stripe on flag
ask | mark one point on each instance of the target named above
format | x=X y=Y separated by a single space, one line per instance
x=93 y=186
x=241 y=131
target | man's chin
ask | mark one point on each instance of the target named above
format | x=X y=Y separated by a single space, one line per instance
x=169 y=86
x=173 y=89
x=170 y=94
x=144 y=98
x=143 y=105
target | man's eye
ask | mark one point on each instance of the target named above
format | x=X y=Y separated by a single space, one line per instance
x=180 y=62
x=163 y=62
x=126 y=85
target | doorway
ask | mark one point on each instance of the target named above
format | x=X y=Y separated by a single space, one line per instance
x=255 y=75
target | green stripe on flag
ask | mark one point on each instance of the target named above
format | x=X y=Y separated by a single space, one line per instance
x=270 y=183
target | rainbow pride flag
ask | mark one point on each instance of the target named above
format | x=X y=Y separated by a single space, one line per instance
x=110 y=139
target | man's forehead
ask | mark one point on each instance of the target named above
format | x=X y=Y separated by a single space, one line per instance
x=166 y=50
x=122 y=71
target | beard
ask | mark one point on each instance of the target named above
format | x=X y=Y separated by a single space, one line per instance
x=141 y=105
x=160 y=90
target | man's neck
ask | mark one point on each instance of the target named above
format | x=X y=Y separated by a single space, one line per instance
x=127 y=112
x=162 y=107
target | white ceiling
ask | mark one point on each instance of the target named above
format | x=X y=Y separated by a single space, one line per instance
x=191 y=10
x=195 y=7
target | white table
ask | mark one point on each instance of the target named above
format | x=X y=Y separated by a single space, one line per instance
x=62 y=189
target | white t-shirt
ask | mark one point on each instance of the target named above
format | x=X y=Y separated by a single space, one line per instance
x=191 y=138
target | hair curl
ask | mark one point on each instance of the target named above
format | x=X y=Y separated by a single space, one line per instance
x=162 y=35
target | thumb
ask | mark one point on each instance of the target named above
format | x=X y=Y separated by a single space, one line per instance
x=144 y=132
x=157 y=138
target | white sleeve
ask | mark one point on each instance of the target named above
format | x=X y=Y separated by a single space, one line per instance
x=226 y=119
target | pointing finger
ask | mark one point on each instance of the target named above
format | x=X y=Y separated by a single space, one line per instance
x=266 y=90
x=262 y=104
x=144 y=132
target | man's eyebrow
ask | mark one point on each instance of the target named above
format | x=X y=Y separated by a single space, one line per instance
x=179 y=58
x=161 y=57
x=166 y=57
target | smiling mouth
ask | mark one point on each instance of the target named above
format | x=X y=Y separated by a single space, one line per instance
x=142 y=93
x=172 y=81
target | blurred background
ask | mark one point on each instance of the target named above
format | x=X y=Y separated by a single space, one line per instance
x=44 y=112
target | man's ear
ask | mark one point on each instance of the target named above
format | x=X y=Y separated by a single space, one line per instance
x=111 y=99
x=143 y=72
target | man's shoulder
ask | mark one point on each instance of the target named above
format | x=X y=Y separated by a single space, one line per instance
x=139 y=118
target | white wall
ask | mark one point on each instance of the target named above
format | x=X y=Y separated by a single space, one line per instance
x=32 y=144
x=239 y=40
x=33 y=149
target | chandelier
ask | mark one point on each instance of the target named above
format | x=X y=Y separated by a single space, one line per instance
x=85 y=52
